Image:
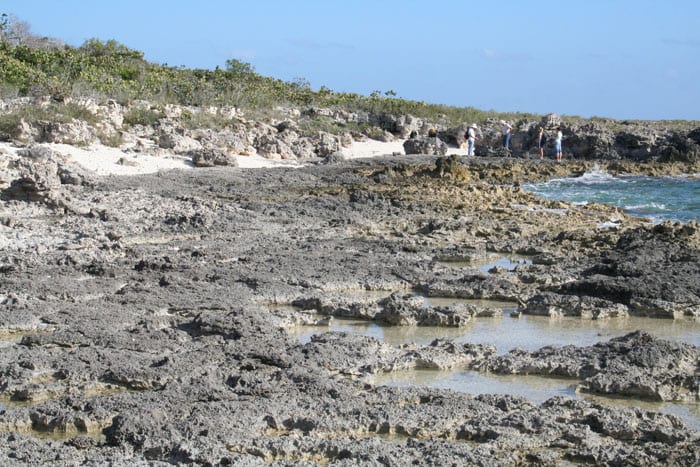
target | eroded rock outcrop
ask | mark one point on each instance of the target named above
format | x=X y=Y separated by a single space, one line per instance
x=211 y=158
x=635 y=365
x=42 y=173
x=633 y=277
x=153 y=325
x=431 y=146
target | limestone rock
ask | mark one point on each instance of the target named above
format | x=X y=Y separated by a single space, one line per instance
x=38 y=153
x=38 y=181
x=326 y=144
x=273 y=147
x=425 y=145
x=550 y=121
x=175 y=139
x=335 y=158
x=77 y=133
x=555 y=305
x=304 y=148
x=111 y=113
x=450 y=167
x=636 y=365
x=211 y=158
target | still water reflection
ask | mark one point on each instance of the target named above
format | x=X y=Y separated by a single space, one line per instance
x=526 y=332
x=534 y=388
x=529 y=333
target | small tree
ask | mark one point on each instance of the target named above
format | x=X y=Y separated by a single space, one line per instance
x=238 y=67
x=16 y=33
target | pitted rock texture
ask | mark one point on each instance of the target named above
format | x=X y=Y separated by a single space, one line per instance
x=148 y=324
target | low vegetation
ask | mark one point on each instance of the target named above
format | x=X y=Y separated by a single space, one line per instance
x=56 y=112
x=36 y=66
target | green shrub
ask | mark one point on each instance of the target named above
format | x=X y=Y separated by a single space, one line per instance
x=9 y=123
x=142 y=116
x=112 y=70
x=204 y=120
x=373 y=132
x=55 y=112
x=309 y=126
x=113 y=140
x=71 y=110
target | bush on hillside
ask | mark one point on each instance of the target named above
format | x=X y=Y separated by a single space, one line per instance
x=110 y=70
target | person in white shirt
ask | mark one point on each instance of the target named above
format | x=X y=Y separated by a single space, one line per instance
x=507 y=133
x=471 y=139
x=557 y=141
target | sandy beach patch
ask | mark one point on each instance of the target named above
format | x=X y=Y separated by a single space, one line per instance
x=105 y=160
x=371 y=148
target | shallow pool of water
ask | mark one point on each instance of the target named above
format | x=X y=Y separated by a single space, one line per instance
x=534 y=388
x=506 y=306
x=506 y=262
x=8 y=339
x=527 y=332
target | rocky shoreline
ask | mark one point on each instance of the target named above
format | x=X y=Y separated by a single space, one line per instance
x=210 y=136
x=145 y=320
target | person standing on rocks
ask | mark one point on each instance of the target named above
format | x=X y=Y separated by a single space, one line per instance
x=560 y=136
x=541 y=141
x=471 y=139
x=507 y=133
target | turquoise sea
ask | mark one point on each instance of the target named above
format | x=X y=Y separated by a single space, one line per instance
x=660 y=199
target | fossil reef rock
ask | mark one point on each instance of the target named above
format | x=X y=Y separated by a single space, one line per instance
x=145 y=320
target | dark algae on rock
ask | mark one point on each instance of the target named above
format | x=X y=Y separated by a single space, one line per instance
x=145 y=320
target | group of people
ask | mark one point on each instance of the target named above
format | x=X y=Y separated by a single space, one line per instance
x=507 y=129
x=542 y=141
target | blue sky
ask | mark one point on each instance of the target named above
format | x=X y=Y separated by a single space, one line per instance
x=611 y=58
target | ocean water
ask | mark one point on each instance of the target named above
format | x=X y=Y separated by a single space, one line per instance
x=659 y=199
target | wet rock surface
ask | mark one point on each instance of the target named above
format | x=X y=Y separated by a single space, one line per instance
x=149 y=321
x=635 y=365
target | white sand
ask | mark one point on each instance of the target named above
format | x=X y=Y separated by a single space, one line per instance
x=105 y=160
x=372 y=148
x=256 y=162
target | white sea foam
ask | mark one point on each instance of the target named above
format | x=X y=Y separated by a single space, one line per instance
x=608 y=225
x=595 y=176
x=672 y=198
x=647 y=206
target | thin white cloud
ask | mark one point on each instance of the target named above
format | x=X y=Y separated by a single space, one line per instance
x=504 y=56
x=489 y=53
x=314 y=44
x=693 y=43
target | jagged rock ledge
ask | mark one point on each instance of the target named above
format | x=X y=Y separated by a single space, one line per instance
x=147 y=324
